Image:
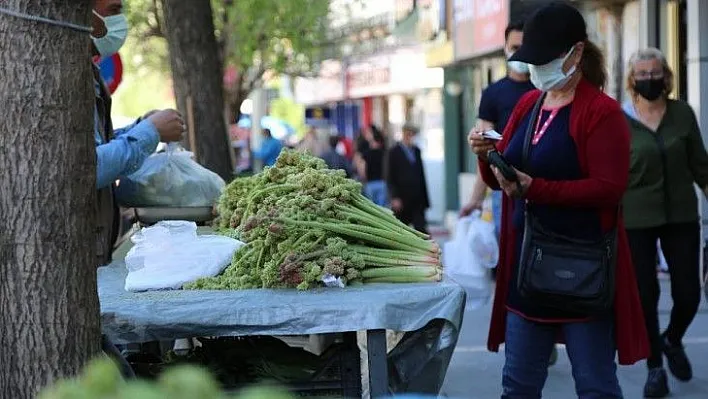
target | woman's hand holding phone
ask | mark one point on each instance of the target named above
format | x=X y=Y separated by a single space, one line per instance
x=479 y=144
x=514 y=189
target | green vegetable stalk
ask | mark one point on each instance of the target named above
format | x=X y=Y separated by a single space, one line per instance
x=302 y=221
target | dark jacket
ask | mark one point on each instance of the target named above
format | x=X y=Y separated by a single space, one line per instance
x=108 y=219
x=335 y=160
x=406 y=180
x=663 y=167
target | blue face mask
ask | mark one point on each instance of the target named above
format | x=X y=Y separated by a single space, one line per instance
x=550 y=76
x=116 y=33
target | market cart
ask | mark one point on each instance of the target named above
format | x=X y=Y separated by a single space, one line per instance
x=430 y=314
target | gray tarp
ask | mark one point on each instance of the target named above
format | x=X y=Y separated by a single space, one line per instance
x=164 y=315
x=431 y=314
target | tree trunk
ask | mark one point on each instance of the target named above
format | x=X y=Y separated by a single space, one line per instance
x=49 y=312
x=197 y=73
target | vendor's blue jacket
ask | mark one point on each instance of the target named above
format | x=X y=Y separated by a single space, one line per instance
x=118 y=153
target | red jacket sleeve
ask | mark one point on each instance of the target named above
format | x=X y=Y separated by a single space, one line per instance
x=603 y=140
x=522 y=107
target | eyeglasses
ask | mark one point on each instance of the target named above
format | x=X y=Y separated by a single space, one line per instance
x=645 y=75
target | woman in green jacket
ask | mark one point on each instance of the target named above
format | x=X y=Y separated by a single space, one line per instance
x=667 y=158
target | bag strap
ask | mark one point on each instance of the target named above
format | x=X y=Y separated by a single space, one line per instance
x=529 y=133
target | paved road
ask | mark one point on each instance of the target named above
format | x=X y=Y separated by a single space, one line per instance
x=476 y=374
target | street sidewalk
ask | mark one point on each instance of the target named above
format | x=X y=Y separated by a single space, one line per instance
x=475 y=373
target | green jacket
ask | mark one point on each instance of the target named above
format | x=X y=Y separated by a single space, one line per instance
x=664 y=165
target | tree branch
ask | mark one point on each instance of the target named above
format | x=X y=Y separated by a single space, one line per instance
x=156 y=13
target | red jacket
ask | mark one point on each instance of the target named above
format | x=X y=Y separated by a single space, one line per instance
x=602 y=136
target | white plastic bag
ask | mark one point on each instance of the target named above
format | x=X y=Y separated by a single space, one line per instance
x=171 y=254
x=170 y=179
x=463 y=266
x=483 y=240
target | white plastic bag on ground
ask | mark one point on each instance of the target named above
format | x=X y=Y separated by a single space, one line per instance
x=462 y=265
x=483 y=240
x=170 y=179
x=171 y=254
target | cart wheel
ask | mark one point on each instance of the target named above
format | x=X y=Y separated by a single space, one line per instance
x=111 y=351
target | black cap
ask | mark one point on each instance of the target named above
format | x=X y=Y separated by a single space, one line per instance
x=550 y=32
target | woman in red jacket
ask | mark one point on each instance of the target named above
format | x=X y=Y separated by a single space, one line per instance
x=577 y=168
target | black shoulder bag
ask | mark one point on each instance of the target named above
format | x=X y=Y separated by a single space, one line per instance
x=561 y=272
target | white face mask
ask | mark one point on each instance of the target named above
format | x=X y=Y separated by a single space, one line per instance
x=517 y=66
x=116 y=33
x=550 y=76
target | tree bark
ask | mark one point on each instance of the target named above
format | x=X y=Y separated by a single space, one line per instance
x=197 y=73
x=49 y=311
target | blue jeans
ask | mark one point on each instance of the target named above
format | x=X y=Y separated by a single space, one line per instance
x=590 y=347
x=377 y=192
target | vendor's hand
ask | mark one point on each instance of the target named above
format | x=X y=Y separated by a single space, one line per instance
x=512 y=188
x=480 y=145
x=470 y=207
x=396 y=205
x=169 y=124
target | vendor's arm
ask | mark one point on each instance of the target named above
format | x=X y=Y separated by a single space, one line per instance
x=125 y=129
x=125 y=153
x=607 y=156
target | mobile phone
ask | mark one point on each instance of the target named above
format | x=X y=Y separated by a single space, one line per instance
x=492 y=135
x=498 y=160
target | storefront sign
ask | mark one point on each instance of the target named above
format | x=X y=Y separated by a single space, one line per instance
x=327 y=87
x=479 y=26
x=403 y=71
x=368 y=77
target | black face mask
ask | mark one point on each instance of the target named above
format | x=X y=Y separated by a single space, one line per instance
x=650 y=89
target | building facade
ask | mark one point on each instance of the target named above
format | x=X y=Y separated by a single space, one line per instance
x=473 y=59
x=381 y=77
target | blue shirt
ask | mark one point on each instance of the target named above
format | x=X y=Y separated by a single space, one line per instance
x=269 y=151
x=554 y=157
x=410 y=154
x=499 y=99
x=126 y=152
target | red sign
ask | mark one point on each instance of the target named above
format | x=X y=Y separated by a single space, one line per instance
x=111 y=69
x=479 y=26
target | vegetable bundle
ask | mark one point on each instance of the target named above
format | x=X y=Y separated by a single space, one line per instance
x=303 y=223
x=102 y=380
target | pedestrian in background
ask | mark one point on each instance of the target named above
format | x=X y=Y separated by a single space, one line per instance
x=574 y=177
x=668 y=157
x=373 y=163
x=270 y=149
x=334 y=159
x=406 y=181
x=495 y=106
x=311 y=144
